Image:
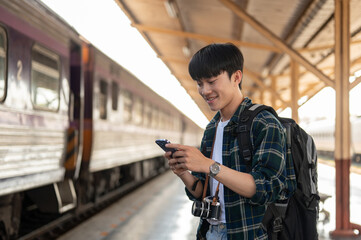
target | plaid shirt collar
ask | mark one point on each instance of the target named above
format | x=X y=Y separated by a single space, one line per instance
x=235 y=118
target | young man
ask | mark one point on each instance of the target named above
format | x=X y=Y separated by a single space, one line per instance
x=243 y=195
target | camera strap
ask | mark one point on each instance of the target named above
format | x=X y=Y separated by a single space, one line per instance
x=214 y=202
x=205 y=187
x=207 y=176
x=207 y=180
x=205 y=191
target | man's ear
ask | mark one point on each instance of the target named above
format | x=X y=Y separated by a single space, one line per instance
x=238 y=76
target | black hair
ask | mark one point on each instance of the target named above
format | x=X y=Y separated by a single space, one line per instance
x=214 y=59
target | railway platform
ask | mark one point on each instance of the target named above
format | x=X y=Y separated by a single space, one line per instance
x=160 y=210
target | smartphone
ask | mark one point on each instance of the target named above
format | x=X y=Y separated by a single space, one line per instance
x=162 y=142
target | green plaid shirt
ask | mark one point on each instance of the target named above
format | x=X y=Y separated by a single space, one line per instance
x=244 y=215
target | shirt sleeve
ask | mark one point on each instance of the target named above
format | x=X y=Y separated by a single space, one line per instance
x=269 y=153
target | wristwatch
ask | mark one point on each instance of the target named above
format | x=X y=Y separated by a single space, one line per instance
x=214 y=169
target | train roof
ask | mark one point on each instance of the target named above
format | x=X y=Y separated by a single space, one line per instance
x=41 y=17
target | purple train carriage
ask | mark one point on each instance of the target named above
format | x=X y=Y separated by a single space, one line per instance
x=75 y=126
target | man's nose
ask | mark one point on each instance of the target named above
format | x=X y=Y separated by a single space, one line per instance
x=206 y=89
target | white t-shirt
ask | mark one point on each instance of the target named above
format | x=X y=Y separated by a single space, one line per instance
x=217 y=156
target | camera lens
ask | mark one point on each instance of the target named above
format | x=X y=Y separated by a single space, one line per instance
x=205 y=209
x=197 y=208
x=201 y=209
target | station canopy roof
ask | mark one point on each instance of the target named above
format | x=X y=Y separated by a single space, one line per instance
x=279 y=39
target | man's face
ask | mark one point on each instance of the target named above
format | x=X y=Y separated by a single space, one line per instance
x=218 y=91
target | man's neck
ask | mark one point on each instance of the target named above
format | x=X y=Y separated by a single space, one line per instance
x=227 y=113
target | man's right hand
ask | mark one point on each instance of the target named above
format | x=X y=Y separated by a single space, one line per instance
x=174 y=165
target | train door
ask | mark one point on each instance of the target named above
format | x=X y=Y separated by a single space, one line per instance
x=76 y=113
x=61 y=196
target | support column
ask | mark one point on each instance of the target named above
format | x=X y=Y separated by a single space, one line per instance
x=294 y=89
x=273 y=86
x=342 y=131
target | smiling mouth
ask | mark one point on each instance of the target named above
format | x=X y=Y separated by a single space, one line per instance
x=210 y=100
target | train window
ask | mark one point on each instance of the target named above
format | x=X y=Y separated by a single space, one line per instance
x=176 y=123
x=147 y=114
x=2 y=63
x=128 y=106
x=169 y=120
x=103 y=96
x=155 y=118
x=45 y=79
x=138 y=111
x=163 y=120
x=115 y=95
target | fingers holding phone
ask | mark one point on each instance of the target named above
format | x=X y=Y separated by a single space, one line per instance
x=162 y=142
x=172 y=162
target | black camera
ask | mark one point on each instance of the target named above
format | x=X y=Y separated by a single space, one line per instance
x=207 y=209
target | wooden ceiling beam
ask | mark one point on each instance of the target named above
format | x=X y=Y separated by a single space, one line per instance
x=353 y=63
x=277 y=41
x=203 y=105
x=259 y=82
x=184 y=77
x=355 y=83
x=309 y=89
x=358 y=79
x=202 y=37
x=174 y=60
x=295 y=94
x=312 y=91
x=329 y=46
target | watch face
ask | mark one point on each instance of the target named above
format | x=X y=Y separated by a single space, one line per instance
x=215 y=169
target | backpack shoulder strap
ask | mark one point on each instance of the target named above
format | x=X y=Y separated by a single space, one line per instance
x=243 y=131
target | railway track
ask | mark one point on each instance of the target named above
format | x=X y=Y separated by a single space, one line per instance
x=43 y=226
